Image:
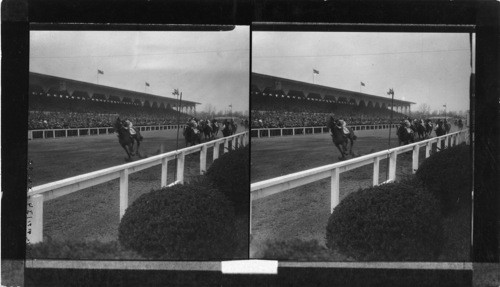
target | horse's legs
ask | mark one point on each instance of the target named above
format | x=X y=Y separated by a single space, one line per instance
x=126 y=150
x=341 y=152
x=137 y=149
x=350 y=150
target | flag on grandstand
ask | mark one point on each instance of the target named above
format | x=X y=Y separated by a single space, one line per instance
x=176 y=92
x=100 y=72
x=147 y=84
x=390 y=92
x=362 y=84
x=315 y=72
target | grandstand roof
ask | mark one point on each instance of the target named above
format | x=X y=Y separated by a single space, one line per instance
x=327 y=89
x=112 y=90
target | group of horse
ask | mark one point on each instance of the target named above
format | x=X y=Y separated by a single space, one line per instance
x=405 y=134
x=192 y=133
x=419 y=131
x=194 y=129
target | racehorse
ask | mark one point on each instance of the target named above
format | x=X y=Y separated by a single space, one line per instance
x=229 y=128
x=440 y=130
x=207 y=130
x=340 y=140
x=192 y=137
x=420 y=129
x=215 y=128
x=404 y=136
x=428 y=128
x=126 y=139
x=447 y=127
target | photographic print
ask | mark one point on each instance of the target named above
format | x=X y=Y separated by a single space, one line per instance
x=138 y=145
x=361 y=146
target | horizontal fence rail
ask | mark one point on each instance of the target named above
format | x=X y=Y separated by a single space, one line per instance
x=272 y=186
x=38 y=194
x=78 y=132
x=293 y=131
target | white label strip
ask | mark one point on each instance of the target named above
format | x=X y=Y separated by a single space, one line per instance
x=250 y=267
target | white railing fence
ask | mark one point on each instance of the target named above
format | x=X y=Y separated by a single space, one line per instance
x=37 y=195
x=272 y=186
x=78 y=132
x=293 y=131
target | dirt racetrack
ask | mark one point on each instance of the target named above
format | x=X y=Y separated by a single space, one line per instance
x=93 y=213
x=303 y=212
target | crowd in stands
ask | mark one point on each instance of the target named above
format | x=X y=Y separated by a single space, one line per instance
x=64 y=113
x=280 y=112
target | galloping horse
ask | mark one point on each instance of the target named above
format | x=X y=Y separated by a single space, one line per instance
x=215 y=128
x=428 y=128
x=340 y=140
x=126 y=139
x=229 y=128
x=420 y=129
x=440 y=130
x=404 y=136
x=192 y=137
x=206 y=129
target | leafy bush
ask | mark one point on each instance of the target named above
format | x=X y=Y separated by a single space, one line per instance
x=230 y=174
x=185 y=222
x=447 y=174
x=71 y=249
x=394 y=222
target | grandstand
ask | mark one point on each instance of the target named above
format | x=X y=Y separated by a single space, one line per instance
x=60 y=103
x=279 y=102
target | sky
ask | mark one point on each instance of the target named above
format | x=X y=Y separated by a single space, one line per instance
x=211 y=68
x=431 y=68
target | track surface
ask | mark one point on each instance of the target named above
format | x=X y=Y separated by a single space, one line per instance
x=303 y=212
x=93 y=213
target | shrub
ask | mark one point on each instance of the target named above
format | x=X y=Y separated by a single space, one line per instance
x=230 y=174
x=185 y=222
x=71 y=249
x=447 y=174
x=394 y=222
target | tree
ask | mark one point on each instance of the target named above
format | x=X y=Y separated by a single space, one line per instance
x=424 y=109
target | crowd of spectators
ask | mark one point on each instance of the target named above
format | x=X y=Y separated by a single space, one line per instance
x=279 y=112
x=62 y=113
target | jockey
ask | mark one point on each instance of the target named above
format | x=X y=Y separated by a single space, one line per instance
x=407 y=125
x=130 y=127
x=343 y=124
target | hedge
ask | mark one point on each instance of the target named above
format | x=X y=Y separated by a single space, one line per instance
x=230 y=174
x=447 y=174
x=182 y=222
x=391 y=222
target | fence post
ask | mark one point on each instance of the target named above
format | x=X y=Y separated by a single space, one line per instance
x=268 y=133
x=304 y=131
x=416 y=150
x=66 y=133
x=258 y=133
x=250 y=218
x=233 y=143
x=180 y=167
x=334 y=189
x=123 y=192
x=428 y=148
x=34 y=232
x=226 y=144
x=392 y=166
x=293 y=129
x=203 y=159
x=376 y=170
x=30 y=135
x=446 y=138
x=281 y=132
x=216 y=150
x=164 y=171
